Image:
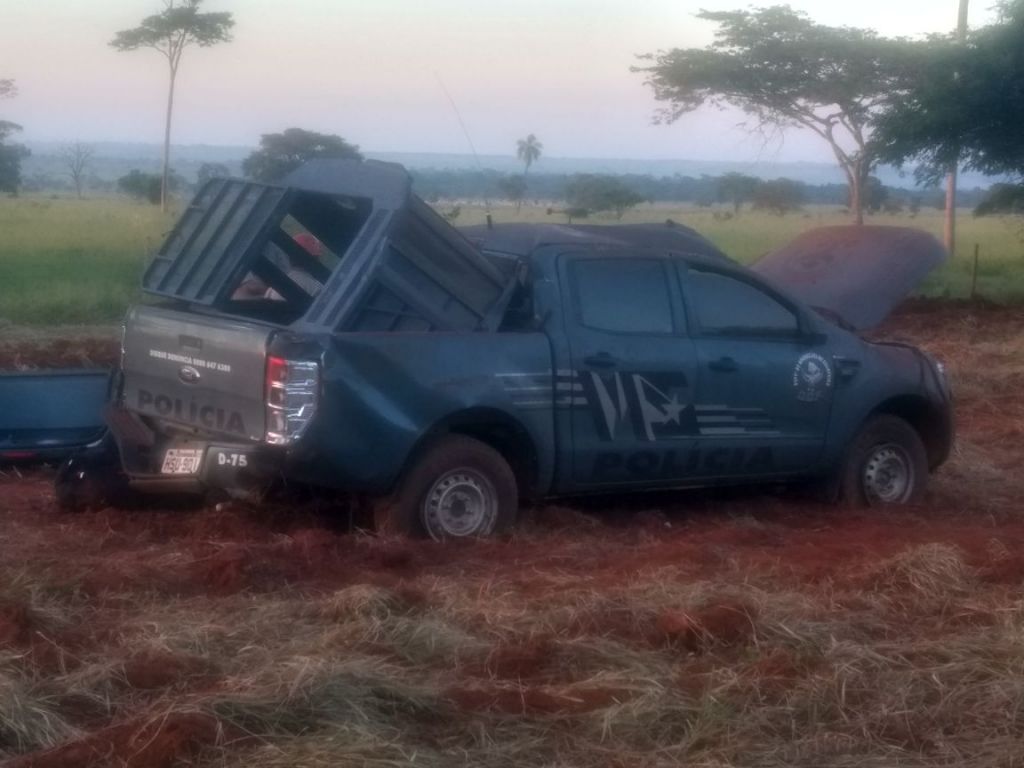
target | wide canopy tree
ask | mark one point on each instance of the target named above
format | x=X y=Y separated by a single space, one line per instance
x=786 y=71
x=597 y=193
x=967 y=107
x=281 y=153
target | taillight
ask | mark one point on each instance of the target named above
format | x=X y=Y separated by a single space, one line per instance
x=293 y=388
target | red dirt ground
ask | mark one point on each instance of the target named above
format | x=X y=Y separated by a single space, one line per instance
x=233 y=549
x=28 y=354
x=159 y=742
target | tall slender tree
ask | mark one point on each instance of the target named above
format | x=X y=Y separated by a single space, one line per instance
x=170 y=32
x=528 y=151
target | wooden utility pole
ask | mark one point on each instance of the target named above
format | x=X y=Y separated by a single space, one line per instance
x=950 y=229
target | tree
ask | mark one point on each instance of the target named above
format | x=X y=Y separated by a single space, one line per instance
x=146 y=187
x=779 y=196
x=1002 y=198
x=11 y=154
x=170 y=32
x=967 y=106
x=528 y=151
x=736 y=188
x=597 y=193
x=876 y=194
x=513 y=188
x=570 y=213
x=209 y=171
x=77 y=157
x=786 y=71
x=281 y=153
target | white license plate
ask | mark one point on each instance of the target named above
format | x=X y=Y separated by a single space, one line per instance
x=182 y=461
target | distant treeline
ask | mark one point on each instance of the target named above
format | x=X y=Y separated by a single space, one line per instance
x=434 y=185
x=438 y=185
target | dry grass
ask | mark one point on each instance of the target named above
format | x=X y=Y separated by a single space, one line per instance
x=741 y=632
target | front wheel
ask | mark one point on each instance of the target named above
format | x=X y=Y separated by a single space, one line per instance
x=458 y=488
x=886 y=464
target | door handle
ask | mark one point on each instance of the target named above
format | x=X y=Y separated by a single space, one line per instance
x=846 y=368
x=724 y=364
x=600 y=360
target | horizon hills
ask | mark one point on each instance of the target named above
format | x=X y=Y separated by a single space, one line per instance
x=115 y=157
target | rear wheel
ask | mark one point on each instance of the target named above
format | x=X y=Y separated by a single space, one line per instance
x=458 y=488
x=886 y=464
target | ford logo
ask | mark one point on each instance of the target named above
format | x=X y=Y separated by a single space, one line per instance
x=188 y=374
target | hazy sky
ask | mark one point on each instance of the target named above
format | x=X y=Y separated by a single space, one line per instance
x=369 y=71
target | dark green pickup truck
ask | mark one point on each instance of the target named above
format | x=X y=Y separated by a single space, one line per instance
x=334 y=331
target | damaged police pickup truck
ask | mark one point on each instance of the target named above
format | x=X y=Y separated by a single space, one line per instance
x=335 y=332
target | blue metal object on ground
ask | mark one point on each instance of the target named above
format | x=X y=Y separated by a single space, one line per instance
x=47 y=414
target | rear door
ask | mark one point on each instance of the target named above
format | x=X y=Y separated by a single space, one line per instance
x=630 y=388
x=196 y=371
x=764 y=387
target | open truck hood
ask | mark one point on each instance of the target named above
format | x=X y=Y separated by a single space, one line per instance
x=860 y=273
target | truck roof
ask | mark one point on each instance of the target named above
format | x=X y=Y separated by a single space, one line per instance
x=523 y=239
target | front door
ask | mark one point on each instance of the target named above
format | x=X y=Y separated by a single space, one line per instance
x=631 y=385
x=764 y=387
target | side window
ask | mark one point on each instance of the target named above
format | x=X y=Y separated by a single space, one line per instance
x=622 y=295
x=726 y=305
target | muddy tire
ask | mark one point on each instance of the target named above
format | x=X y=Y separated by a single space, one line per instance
x=886 y=464
x=457 y=488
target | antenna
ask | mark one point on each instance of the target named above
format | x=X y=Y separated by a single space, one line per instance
x=469 y=140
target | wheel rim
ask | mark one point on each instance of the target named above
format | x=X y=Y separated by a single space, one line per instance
x=460 y=503
x=888 y=475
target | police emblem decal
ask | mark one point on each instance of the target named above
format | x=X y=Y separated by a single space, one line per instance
x=812 y=377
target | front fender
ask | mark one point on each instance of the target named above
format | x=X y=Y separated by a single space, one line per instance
x=899 y=380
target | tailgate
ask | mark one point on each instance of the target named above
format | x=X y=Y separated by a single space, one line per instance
x=196 y=371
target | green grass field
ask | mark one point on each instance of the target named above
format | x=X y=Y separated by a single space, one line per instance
x=73 y=261
x=79 y=261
